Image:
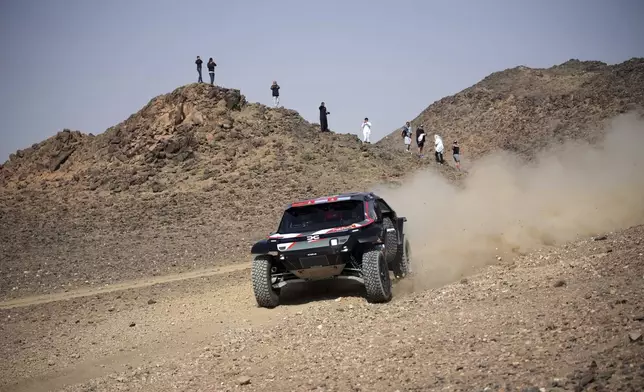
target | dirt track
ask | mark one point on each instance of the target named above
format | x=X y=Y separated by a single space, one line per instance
x=86 y=292
x=537 y=321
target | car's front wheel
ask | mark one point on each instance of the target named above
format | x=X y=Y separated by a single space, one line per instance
x=265 y=295
x=375 y=273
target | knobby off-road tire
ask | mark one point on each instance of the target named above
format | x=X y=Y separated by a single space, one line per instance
x=391 y=240
x=265 y=295
x=376 y=276
x=402 y=264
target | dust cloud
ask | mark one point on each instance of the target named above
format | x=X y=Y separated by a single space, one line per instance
x=507 y=206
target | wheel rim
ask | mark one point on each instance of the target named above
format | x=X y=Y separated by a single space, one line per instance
x=270 y=277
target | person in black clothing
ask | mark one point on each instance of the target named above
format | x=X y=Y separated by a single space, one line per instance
x=276 y=93
x=420 y=140
x=456 y=153
x=211 y=70
x=199 y=62
x=324 y=125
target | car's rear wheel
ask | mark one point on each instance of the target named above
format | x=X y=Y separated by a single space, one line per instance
x=265 y=295
x=391 y=240
x=376 y=276
x=402 y=264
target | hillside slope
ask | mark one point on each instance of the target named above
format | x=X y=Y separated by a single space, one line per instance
x=524 y=109
x=188 y=181
x=197 y=137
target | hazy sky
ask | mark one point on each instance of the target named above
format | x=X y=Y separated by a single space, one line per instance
x=89 y=64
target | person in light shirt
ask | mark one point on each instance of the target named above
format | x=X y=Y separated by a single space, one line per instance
x=406 y=134
x=366 y=130
x=439 y=148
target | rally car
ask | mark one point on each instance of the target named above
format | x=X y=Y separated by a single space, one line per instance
x=349 y=236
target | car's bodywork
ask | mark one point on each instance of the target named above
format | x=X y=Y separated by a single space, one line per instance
x=327 y=237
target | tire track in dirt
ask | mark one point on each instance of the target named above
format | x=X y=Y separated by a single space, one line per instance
x=183 y=321
x=85 y=292
x=168 y=332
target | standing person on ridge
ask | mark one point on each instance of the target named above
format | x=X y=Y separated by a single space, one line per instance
x=420 y=139
x=456 y=153
x=406 y=134
x=366 y=130
x=438 y=147
x=276 y=93
x=199 y=62
x=324 y=125
x=211 y=70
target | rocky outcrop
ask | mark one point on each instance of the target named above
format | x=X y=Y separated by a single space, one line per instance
x=199 y=137
x=524 y=109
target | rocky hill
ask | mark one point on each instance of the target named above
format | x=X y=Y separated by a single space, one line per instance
x=524 y=109
x=199 y=138
x=188 y=181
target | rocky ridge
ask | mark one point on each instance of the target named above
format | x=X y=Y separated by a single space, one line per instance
x=196 y=137
x=523 y=109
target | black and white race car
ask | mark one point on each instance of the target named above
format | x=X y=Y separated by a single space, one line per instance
x=349 y=236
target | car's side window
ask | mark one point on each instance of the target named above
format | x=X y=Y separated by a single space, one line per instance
x=376 y=207
x=382 y=207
